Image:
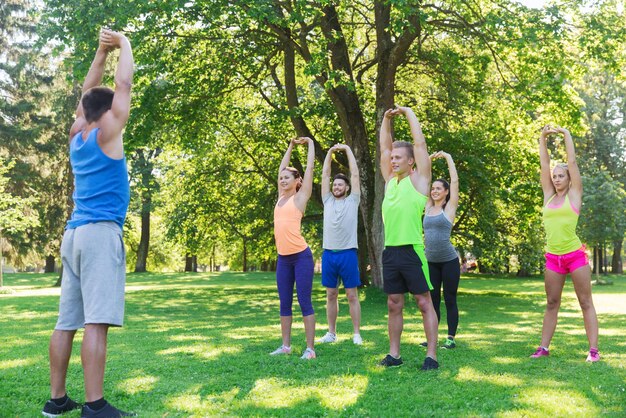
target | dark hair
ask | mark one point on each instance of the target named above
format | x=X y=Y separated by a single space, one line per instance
x=407 y=146
x=341 y=176
x=96 y=101
x=296 y=175
x=446 y=186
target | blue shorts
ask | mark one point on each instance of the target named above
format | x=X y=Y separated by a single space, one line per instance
x=342 y=263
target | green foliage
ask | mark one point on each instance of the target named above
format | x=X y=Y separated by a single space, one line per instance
x=198 y=344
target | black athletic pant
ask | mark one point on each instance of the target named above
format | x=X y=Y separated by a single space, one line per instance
x=448 y=274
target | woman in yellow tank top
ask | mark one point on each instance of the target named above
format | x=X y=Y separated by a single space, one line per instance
x=562 y=200
x=295 y=261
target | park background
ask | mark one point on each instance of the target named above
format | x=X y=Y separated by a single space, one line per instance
x=220 y=87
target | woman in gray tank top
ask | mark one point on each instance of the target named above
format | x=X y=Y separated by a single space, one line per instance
x=443 y=260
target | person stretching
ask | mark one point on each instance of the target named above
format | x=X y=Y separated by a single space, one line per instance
x=295 y=260
x=562 y=200
x=443 y=261
x=339 y=259
x=92 y=250
x=405 y=268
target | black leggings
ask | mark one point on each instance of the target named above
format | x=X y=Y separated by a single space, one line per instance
x=448 y=274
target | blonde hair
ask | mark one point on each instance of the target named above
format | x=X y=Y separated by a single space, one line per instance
x=563 y=166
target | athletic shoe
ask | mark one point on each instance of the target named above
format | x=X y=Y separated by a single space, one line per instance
x=593 y=356
x=328 y=338
x=430 y=364
x=390 y=361
x=50 y=409
x=541 y=352
x=356 y=338
x=281 y=350
x=424 y=344
x=107 y=411
x=449 y=344
x=308 y=354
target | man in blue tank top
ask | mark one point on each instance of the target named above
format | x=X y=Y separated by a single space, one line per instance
x=92 y=251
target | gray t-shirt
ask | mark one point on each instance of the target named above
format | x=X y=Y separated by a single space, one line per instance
x=341 y=217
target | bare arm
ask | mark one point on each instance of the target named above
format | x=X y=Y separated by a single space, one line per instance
x=453 y=203
x=574 y=172
x=285 y=161
x=304 y=194
x=326 y=172
x=120 y=108
x=420 y=151
x=93 y=79
x=544 y=158
x=576 y=182
x=386 y=145
x=355 y=179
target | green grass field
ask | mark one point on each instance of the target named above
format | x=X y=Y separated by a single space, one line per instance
x=198 y=344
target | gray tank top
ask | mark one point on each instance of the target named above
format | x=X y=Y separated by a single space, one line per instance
x=437 y=244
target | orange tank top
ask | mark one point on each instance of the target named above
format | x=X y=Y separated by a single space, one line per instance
x=287 y=220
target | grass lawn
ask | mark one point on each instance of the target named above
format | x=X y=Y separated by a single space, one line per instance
x=198 y=344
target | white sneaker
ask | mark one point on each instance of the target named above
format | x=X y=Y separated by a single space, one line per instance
x=281 y=350
x=308 y=354
x=357 y=339
x=328 y=338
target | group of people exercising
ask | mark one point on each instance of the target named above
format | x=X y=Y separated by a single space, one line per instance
x=418 y=257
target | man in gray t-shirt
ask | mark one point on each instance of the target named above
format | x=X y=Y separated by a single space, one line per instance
x=339 y=259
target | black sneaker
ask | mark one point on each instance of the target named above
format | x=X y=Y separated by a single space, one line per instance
x=390 y=361
x=424 y=344
x=430 y=364
x=107 y=411
x=50 y=409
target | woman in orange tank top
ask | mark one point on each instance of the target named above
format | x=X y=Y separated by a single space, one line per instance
x=562 y=200
x=295 y=260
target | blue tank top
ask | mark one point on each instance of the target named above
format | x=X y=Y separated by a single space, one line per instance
x=101 y=188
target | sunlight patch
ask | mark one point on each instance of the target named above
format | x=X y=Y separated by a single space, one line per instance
x=468 y=374
x=506 y=360
x=206 y=351
x=553 y=402
x=337 y=392
x=138 y=384
x=193 y=403
x=10 y=364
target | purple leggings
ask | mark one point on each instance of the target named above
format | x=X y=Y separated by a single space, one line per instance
x=295 y=269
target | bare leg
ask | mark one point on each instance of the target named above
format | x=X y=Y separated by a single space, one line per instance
x=395 y=304
x=431 y=322
x=60 y=351
x=581 y=278
x=93 y=356
x=554 y=287
x=332 y=309
x=285 y=329
x=309 y=330
x=355 y=308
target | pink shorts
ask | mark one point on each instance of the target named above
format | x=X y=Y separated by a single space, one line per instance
x=566 y=263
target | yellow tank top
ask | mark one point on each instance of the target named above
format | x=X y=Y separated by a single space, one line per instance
x=287 y=220
x=560 y=225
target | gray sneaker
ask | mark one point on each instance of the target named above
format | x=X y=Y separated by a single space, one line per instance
x=328 y=338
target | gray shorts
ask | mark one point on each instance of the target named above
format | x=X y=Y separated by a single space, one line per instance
x=94 y=276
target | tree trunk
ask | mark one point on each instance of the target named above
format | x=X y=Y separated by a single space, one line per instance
x=50 y=264
x=144 y=165
x=616 y=261
x=188 y=262
x=596 y=260
x=194 y=263
x=144 y=242
x=245 y=256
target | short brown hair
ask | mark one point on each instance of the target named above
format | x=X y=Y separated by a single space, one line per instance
x=407 y=146
x=96 y=102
